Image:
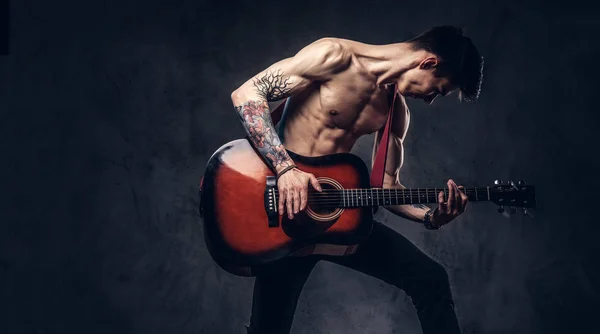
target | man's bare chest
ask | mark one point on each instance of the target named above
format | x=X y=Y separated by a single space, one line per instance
x=354 y=105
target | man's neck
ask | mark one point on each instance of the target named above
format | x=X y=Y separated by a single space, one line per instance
x=390 y=61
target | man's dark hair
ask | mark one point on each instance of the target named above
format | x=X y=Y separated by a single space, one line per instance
x=460 y=60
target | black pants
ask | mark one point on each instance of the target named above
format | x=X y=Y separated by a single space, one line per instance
x=386 y=255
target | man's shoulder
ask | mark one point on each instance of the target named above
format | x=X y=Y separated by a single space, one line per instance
x=327 y=52
x=327 y=47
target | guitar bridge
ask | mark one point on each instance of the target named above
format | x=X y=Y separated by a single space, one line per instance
x=271 y=201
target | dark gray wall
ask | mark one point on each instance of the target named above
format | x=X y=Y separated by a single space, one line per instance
x=110 y=110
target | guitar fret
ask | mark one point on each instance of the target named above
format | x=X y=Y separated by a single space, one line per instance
x=348 y=198
x=362 y=200
x=488 y=191
x=476 y=197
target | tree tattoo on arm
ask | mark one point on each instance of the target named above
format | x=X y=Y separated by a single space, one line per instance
x=255 y=116
x=273 y=86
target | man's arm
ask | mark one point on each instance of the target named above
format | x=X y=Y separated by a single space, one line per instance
x=448 y=208
x=315 y=63
x=395 y=160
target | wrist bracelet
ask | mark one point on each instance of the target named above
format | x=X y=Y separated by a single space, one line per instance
x=283 y=171
x=427 y=220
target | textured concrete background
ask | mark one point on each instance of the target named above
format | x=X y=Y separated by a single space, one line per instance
x=110 y=110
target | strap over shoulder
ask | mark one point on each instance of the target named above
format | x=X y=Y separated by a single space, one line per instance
x=381 y=156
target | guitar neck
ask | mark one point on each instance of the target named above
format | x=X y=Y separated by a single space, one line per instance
x=371 y=197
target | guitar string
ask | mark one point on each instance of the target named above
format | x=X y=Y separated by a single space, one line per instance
x=351 y=198
x=362 y=195
x=379 y=190
x=334 y=194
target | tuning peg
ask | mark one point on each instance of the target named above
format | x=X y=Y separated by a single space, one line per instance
x=498 y=182
x=514 y=185
x=521 y=183
x=528 y=212
x=503 y=212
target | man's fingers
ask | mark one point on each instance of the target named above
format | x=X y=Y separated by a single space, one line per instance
x=463 y=198
x=315 y=183
x=441 y=201
x=289 y=202
x=296 y=191
x=281 y=201
x=451 y=198
x=303 y=196
x=457 y=199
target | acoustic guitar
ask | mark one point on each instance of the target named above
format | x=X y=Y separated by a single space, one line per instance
x=244 y=230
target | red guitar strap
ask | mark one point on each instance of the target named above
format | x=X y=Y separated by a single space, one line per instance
x=378 y=169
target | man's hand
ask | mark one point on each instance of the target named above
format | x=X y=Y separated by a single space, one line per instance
x=293 y=190
x=448 y=210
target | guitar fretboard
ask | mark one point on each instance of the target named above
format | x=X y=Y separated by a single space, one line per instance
x=371 y=197
x=349 y=198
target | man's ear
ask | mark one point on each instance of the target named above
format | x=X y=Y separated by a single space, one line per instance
x=429 y=63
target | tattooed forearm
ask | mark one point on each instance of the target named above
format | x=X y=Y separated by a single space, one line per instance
x=257 y=120
x=273 y=86
x=421 y=206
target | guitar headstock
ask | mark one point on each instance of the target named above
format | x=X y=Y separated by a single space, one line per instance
x=513 y=194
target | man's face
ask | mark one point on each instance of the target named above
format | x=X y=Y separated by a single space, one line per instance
x=421 y=83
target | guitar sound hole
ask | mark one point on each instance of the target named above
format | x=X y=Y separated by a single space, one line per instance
x=324 y=202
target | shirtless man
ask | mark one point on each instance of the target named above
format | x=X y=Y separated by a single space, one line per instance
x=339 y=91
